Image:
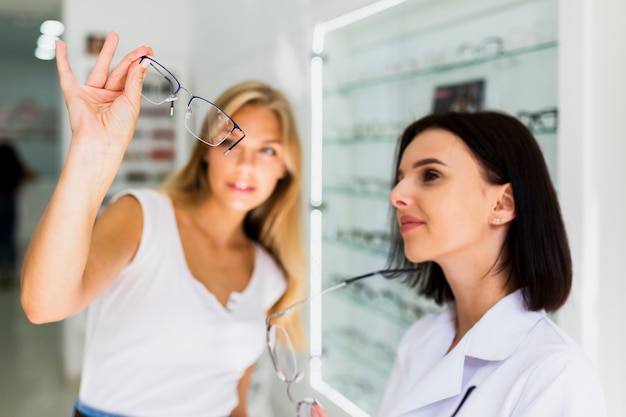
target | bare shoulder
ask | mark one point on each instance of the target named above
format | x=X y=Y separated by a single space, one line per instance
x=119 y=227
x=114 y=242
x=124 y=212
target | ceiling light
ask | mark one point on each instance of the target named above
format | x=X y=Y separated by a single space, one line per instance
x=52 y=28
x=47 y=42
x=45 y=54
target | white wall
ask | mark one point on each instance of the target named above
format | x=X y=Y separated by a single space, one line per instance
x=592 y=103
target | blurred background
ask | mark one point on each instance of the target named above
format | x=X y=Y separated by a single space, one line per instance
x=210 y=45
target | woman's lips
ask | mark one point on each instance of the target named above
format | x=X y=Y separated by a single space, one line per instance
x=409 y=223
x=241 y=187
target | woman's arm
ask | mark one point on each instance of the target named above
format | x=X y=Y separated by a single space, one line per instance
x=243 y=387
x=68 y=262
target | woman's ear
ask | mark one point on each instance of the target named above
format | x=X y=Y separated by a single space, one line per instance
x=504 y=210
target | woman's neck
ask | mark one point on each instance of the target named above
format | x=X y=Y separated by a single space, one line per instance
x=475 y=296
x=224 y=228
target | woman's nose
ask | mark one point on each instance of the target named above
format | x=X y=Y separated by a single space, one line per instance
x=245 y=159
x=398 y=196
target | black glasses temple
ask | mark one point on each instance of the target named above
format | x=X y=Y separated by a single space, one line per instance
x=235 y=144
x=381 y=272
x=337 y=286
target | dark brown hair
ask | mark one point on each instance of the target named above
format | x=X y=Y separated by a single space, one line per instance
x=536 y=247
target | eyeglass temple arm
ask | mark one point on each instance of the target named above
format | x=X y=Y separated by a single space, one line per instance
x=335 y=287
x=234 y=144
x=296 y=304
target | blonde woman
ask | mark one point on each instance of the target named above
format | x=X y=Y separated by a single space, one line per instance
x=178 y=280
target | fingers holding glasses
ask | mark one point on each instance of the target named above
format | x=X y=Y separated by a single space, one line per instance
x=124 y=75
x=317 y=411
x=107 y=106
x=116 y=80
x=98 y=76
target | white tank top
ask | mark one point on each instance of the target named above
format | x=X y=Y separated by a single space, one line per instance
x=158 y=343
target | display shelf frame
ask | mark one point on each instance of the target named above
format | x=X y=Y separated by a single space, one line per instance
x=336 y=127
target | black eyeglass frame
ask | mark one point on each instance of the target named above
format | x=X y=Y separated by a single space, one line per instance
x=173 y=97
x=534 y=120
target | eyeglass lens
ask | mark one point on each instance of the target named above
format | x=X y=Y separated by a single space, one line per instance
x=159 y=84
x=208 y=123
x=205 y=121
x=283 y=353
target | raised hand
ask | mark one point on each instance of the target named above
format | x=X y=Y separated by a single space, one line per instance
x=57 y=279
x=104 y=111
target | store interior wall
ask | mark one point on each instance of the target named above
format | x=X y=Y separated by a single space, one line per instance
x=592 y=100
x=218 y=43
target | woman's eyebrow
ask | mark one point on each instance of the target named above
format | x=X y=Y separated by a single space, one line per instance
x=422 y=162
x=426 y=161
x=273 y=141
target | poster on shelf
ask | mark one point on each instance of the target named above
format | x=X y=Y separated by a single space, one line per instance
x=466 y=96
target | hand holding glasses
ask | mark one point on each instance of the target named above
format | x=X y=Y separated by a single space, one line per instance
x=283 y=354
x=203 y=119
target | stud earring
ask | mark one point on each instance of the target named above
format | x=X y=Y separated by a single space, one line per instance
x=496 y=220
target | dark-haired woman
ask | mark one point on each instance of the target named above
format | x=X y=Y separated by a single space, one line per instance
x=476 y=208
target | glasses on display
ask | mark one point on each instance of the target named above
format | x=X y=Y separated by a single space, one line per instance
x=390 y=302
x=491 y=45
x=281 y=348
x=542 y=120
x=203 y=119
x=370 y=239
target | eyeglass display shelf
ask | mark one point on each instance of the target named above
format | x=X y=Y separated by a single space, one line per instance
x=345 y=190
x=352 y=245
x=351 y=140
x=389 y=315
x=393 y=139
x=365 y=388
x=382 y=369
x=377 y=75
x=438 y=69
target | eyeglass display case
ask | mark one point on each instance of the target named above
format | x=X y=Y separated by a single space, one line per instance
x=373 y=72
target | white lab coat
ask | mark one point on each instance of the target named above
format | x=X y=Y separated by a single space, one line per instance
x=519 y=361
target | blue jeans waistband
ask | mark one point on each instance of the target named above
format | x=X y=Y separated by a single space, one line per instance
x=92 y=412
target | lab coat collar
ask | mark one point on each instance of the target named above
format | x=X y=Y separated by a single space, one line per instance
x=498 y=333
x=493 y=338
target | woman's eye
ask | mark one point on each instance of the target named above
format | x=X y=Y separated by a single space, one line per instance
x=268 y=151
x=430 y=175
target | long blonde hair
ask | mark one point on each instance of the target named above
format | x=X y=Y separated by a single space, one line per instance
x=277 y=223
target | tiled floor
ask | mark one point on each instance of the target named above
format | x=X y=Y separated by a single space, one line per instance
x=32 y=383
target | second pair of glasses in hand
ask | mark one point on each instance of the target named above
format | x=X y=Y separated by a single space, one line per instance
x=281 y=348
x=203 y=119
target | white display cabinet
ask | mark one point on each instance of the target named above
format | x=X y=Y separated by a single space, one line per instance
x=374 y=71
